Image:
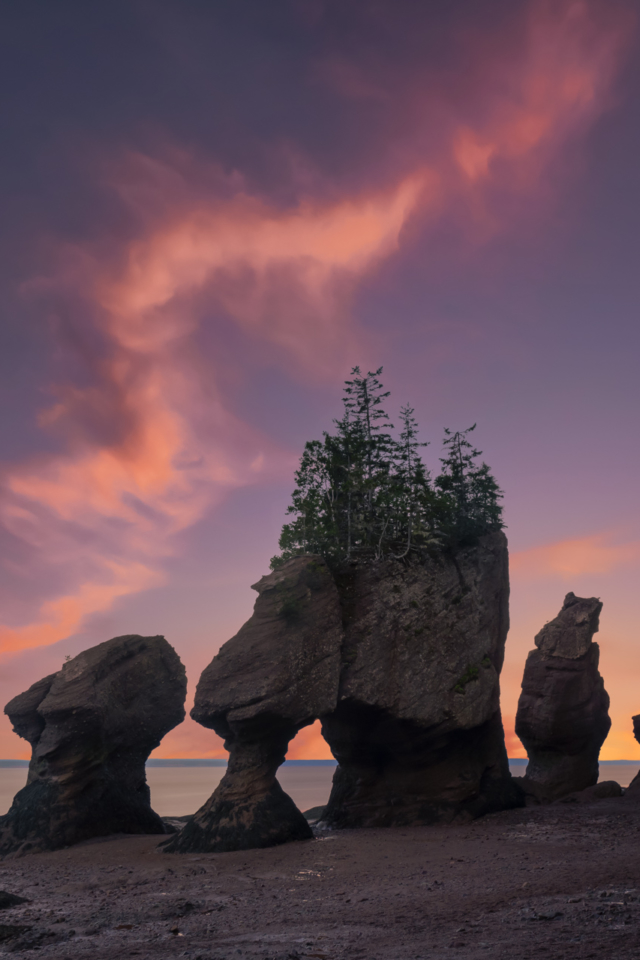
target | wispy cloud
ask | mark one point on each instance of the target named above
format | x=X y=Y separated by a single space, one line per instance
x=573 y=558
x=107 y=507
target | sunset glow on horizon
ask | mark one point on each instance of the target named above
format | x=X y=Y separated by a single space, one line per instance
x=181 y=321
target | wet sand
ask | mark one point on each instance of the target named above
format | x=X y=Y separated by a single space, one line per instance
x=561 y=881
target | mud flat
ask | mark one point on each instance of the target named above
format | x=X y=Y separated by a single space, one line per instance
x=561 y=881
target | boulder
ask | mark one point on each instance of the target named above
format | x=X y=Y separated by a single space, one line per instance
x=8 y=900
x=562 y=716
x=417 y=731
x=274 y=677
x=91 y=727
x=604 y=790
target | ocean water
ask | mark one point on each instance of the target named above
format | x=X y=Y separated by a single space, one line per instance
x=178 y=788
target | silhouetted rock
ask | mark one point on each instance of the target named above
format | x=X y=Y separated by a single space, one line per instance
x=633 y=790
x=417 y=731
x=92 y=726
x=562 y=716
x=401 y=662
x=275 y=676
x=603 y=790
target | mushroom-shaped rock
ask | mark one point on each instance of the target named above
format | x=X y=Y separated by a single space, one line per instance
x=417 y=731
x=275 y=676
x=91 y=727
x=563 y=711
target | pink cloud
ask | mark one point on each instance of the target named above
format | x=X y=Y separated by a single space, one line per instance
x=573 y=558
x=108 y=506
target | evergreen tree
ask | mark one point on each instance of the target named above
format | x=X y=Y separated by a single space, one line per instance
x=469 y=504
x=363 y=494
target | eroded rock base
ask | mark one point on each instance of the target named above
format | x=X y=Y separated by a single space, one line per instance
x=394 y=773
x=223 y=825
x=249 y=809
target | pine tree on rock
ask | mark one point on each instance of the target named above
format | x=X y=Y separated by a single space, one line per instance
x=363 y=494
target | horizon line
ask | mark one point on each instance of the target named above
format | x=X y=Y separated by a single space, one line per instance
x=221 y=761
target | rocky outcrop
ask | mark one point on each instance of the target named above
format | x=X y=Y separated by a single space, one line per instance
x=417 y=731
x=633 y=790
x=8 y=900
x=275 y=676
x=400 y=662
x=604 y=790
x=91 y=727
x=563 y=717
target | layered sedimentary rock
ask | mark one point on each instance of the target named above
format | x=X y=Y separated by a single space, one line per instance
x=91 y=727
x=275 y=676
x=417 y=730
x=401 y=663
x=563 y=711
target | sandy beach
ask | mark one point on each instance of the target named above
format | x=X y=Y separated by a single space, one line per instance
x=561 y=881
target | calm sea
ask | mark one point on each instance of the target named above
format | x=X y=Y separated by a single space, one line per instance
x=179 y=787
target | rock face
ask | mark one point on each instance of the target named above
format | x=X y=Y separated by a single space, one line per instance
x=563 y=716
x=417 y=731
x=91 y=727
x=275 y=676
x=401 y=663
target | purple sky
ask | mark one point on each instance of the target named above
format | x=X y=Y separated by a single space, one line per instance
x=213 y=210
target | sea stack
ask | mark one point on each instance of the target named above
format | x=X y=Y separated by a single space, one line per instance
x=417 y=730
x=274 y=677
x=563 y=711
x=91 y=727
x=401 y=663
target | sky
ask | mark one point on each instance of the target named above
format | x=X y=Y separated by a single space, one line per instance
x=214 y=209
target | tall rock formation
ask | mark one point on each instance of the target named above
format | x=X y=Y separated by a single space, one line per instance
x=417 y=731
x=563 y=711
x=275 y=676
x=91 y=727
x=633 y=790
x=400 y=662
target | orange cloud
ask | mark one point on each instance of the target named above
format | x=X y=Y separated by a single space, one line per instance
x=567 y=62
x=127 y=498
x=571 y=558
x=113 y=499
x=566 y=72
x=283 y=275
x=62 y=617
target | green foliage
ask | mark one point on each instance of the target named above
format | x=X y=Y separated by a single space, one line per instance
x=471 y=673
x=362 y=493
x=469 y=495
